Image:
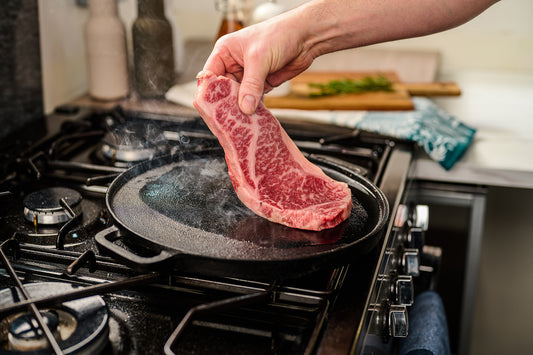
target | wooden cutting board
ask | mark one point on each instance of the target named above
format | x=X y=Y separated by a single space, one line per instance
x=398 y=99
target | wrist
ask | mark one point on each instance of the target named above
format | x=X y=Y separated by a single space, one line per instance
x=332 y=26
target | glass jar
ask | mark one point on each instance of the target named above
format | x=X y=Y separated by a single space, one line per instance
x=232 y=16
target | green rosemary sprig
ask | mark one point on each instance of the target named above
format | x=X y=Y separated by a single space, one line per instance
x=350 y=86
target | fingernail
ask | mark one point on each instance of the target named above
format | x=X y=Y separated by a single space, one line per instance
x=248 y=104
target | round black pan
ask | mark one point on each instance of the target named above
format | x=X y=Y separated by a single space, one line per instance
x=184 y=208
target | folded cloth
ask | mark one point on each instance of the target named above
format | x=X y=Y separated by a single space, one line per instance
x=439 y=134
x=428 y=328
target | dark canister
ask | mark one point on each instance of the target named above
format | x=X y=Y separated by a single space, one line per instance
x=153 y=51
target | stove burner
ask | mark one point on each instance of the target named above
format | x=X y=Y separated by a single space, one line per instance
x=79 y=326
x=44 y=207
x=133 y=142
x=25 y=334
x=73 y=234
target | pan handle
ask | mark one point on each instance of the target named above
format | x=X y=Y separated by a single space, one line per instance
x=105 y=239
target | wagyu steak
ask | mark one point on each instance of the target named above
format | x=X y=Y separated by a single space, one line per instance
x=270 y=175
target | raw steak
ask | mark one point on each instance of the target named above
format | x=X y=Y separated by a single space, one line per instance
x=270 y=175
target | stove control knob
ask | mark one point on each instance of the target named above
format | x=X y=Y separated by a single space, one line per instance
x=415 y=238
x=405 y=260
x=402 y=216
x=420 y=217
x=410 y=262
x=378 y=323
x=412 y=238
x=388 y=320
x=398 y=324
x=402 y=290
x=412 y=225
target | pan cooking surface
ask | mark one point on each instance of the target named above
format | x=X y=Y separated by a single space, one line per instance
x=190 y=206
x=200 y=194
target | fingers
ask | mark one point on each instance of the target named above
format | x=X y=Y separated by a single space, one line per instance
x=253 y=81
x=235 y=57
x=214 y=63
x=224 y=59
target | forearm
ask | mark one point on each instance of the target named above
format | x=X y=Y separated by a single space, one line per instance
x=265 y=55
x=342 y=24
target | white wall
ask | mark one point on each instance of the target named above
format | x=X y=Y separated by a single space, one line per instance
x=62 y=51
x=499 y=39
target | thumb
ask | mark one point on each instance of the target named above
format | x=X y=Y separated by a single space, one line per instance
x=252 y=86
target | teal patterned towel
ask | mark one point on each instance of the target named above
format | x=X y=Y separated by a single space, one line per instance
x=442 y=137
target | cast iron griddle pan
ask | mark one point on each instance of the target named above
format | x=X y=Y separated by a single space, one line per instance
x=185 y=210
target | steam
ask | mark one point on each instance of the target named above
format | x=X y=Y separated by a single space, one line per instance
x=136 y=134
x=133 y=141
x=195 y=192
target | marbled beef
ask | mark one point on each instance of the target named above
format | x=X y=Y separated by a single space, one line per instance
x=270 y=175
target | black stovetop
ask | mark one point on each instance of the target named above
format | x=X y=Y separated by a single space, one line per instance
x=147 y=308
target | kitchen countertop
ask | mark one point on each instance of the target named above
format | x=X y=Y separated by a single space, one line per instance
x=500 y=106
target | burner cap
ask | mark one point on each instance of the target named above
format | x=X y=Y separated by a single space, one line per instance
x=25 y=333
x=44 y=207
x=133 y=142
x=124 y=153
x=80 y=326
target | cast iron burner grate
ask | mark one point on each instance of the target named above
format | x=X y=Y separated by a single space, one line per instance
x=254 y=314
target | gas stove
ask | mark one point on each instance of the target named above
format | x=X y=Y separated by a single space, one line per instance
x=62 y=292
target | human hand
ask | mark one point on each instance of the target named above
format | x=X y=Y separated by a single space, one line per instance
x=261 y=57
